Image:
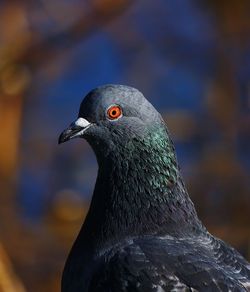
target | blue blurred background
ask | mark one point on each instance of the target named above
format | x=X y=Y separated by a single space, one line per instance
x=190 y=58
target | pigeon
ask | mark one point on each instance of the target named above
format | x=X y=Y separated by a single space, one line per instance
x=142 y=232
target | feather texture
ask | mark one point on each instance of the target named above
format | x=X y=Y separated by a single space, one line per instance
x=142 y=232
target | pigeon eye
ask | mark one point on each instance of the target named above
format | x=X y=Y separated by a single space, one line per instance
x=114 y=112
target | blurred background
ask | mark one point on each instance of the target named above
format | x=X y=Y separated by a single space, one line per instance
x=190 y=58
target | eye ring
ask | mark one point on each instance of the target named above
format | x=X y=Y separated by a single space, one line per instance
x=114 y=112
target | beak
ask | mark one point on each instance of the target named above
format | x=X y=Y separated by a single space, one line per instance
x=75 y=129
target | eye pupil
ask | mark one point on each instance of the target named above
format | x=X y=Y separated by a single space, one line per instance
x=114 y=112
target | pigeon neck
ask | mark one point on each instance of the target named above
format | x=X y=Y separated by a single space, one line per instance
x=139 y=191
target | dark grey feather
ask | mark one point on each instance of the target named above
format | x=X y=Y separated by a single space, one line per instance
x=142 y=232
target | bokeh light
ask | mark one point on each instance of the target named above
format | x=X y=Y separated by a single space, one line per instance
x=191 y=59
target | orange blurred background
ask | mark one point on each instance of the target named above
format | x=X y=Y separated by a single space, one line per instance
x=191 y=60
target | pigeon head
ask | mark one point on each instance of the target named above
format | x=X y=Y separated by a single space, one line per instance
x=138 y=176
x=111 y=117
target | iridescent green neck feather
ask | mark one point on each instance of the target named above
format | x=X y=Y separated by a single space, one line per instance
x=139 y=190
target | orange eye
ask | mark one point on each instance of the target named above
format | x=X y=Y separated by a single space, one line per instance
x=114 y=112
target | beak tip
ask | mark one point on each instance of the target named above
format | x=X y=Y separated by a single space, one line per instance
x=62 y=138
x=59 y=141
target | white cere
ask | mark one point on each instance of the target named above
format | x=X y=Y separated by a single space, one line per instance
x=81 y=122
